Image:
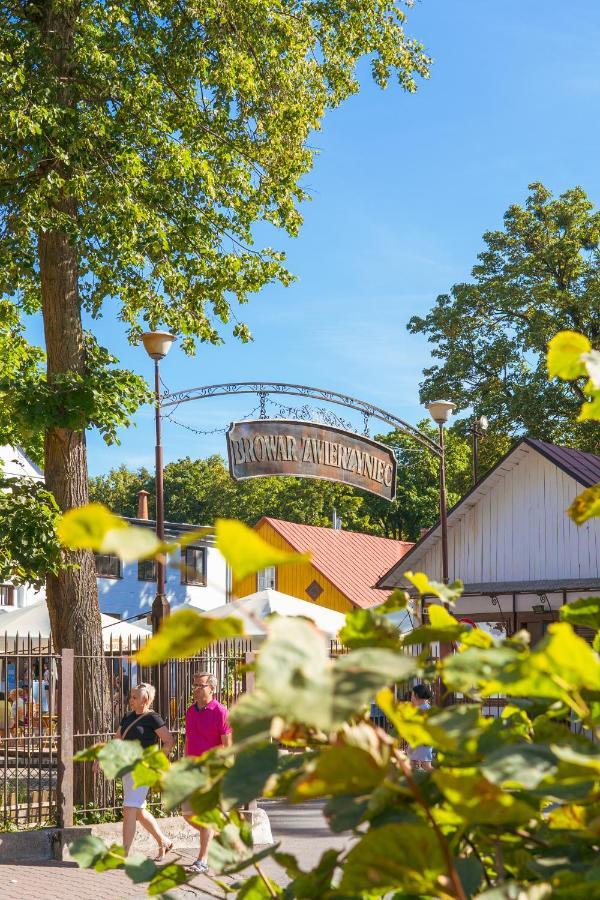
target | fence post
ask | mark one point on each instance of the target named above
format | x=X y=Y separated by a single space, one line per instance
x=65 y=753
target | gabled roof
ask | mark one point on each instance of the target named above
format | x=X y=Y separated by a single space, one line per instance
x=351 y=561
x=581 y=466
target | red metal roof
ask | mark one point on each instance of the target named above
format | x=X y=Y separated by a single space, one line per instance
x=351 y=561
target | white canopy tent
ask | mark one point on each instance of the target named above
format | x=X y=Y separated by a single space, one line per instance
x=34 y=620
x=254 y=608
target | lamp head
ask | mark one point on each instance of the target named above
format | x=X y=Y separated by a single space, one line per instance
x=157 y=343
x=440 y=410
x=482 y=423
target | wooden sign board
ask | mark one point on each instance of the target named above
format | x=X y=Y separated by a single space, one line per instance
x=265 y=447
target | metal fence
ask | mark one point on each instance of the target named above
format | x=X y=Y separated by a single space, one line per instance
x=29 y=735
x=39 y=783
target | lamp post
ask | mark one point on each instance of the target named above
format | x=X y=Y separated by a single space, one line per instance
x=157 y=344
x=440 y=411
x=479 y=427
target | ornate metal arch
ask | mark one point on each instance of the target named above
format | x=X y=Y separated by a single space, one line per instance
x=264 y=388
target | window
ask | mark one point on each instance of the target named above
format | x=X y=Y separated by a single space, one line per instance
x=266 y=579
x=107 y=565
x=194 y=566
x=147 y=570
x=7 y=595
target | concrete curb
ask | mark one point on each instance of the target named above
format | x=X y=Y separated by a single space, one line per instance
x=53 y=843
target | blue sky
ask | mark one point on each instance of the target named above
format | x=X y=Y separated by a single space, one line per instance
x=403 y=189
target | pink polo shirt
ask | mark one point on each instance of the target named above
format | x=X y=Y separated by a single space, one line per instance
x=204 y=727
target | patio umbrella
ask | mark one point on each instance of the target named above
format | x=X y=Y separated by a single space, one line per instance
x=34 y=621
x=254 y=608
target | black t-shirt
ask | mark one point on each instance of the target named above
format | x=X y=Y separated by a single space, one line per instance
x=144 y=729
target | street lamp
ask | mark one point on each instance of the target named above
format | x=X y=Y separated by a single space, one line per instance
x=479 y=427
x=440 y=411
x=157 y=344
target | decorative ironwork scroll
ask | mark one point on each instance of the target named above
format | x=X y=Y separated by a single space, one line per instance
x=274 y=388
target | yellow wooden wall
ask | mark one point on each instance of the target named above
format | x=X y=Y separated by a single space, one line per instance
x=294 y=579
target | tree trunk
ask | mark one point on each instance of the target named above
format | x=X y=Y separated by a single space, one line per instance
x=72 y=595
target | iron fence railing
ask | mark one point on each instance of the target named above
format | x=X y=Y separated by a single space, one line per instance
x=29 y=738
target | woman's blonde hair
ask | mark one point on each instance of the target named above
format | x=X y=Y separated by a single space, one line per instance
x=148 y=689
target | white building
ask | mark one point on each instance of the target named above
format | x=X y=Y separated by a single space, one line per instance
x=196 y=576
x=511 y=542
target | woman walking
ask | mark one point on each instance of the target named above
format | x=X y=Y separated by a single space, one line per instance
x=142 y=724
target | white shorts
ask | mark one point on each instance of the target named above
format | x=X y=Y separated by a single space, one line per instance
x=133 y=796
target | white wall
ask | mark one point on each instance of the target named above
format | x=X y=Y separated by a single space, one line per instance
x=518 y=531
x=128 y=597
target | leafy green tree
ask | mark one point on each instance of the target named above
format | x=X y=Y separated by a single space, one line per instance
x=141 y=142
x=417 y=494
x=29 y=547
x=119 y=489
x=538 y=275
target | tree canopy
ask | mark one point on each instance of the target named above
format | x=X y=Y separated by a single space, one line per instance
x=538 y=275
x=155 y=134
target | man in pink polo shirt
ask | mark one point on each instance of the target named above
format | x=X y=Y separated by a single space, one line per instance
x=206 y=726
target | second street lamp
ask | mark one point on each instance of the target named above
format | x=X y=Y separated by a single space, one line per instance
x=157 y=344
x=440 y=411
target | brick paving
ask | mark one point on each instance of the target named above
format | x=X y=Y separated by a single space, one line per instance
x=300 y=829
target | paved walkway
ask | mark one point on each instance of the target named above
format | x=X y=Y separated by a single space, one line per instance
x=300 y=829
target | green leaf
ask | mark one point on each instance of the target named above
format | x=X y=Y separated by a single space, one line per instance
x=167 y=877
x=444 y=627
x=317 y=883
x=359 y=675
x=247 y=778
x=404 y=856
x=131 y=543
x=251 y=716
x=186 y=633
x=185 y=777
x=118 y=757
x=88 y=754
x=254 y=888
x=451 y=729
x=565 y=351
x=368 y=628
x=584 y=612
x=292 y=669
x=448 y=593
x=470 y=872
x=247 y=553
x=398 y=599
x=228 y=853
x=477 y=800
x=588 y=762
x=345 y=813
x=513 y=891
x=341 y=769
x=112 y=859
x=139 y=868
x=86 y=527
x=586 y=505
x=519 y=765
x=87 y=850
